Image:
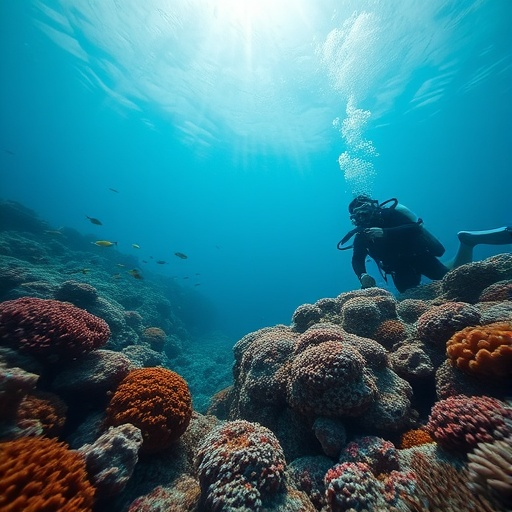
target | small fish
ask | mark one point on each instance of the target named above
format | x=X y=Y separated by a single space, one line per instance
x=9 y=152
x=94 y=221
x=197 y=284
x=186 y=277
x=120 y=264
x=55 y=232
x=136 y=246
x=161 y=262
x=114 y=190
x=181 y=255
x=135 y=273
x=81 y=271
x=116 y=276
x=104 y=243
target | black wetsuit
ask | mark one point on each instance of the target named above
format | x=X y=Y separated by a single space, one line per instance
x=402 y=252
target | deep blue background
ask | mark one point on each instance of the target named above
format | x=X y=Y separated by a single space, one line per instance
x=260 y=206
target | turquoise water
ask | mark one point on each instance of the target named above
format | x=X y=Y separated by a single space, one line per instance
x=237 y=132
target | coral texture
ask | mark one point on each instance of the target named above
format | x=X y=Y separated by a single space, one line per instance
x=240 y=466
x=154 y=337
x=460 y=422
x=45 y=407
x=43 y=474
x=49 y=328
x=111 y=459
x=157 y=401
x=485 y=350
x=378 y=454
x=490 y=470
x=441 y=322
x=415 y=437
x=330 y=380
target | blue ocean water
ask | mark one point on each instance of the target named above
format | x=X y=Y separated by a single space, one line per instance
x=237 y=132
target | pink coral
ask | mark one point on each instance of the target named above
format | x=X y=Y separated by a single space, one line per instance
x=240 y=466
x=380 y=455
x=51 y=329
x=460 y=422
x=441 y=322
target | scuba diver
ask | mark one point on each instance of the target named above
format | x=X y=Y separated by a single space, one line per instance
x=402 y=247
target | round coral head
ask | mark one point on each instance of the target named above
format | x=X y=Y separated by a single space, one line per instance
x=483 y=350
x=157 y=401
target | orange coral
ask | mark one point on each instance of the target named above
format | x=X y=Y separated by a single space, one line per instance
x=48 y=408
x=390 y=332
x=42 y=474
x=157 y=401
x=415 y=437
x=484 y=350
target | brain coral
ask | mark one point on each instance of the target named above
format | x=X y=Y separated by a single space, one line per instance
x=460 y=422
x=305 y=316
x=330 y=380
x=240 y=465
x=154 y=337
x=497 y=292
x=485 y=350
x=439 y=323
x=49 y=328
x=155 y=400
x=42 y=474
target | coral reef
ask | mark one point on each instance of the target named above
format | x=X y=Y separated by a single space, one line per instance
x=43 y=474
x=154 y=337
x=157 y=401
x=50 y=328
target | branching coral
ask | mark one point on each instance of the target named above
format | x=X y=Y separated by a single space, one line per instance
x=490 y=470
x=43 y=474
x=484 y=350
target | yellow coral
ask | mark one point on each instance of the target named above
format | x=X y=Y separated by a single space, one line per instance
x=484 y=350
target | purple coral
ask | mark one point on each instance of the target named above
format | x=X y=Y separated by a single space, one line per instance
x=240 y=465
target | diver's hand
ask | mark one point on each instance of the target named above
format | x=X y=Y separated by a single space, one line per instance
x=367 y=281
x=373 y=233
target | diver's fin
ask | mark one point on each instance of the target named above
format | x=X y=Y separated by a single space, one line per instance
x=499 y=236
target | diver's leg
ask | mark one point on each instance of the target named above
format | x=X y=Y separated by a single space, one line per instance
x=431 y=267
x=499 y=236
x=468 y=240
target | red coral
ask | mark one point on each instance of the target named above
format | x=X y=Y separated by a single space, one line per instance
x=50 y=328
x=157 y=401
x=43 y=474
x=460 y=422
x=485 y=350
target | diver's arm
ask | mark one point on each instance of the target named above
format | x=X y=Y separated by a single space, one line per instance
x=359 y=262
